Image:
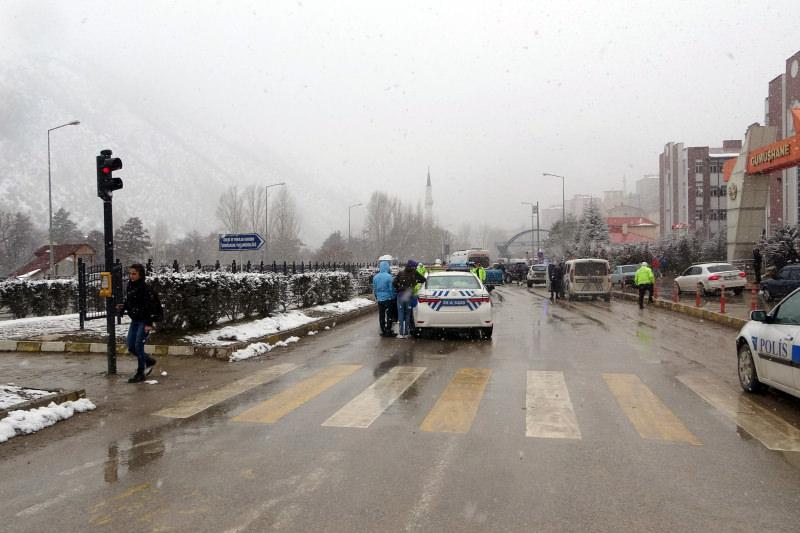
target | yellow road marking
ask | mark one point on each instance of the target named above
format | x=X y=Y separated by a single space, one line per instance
x=455 y=410
x=200 y=402
x=651 y=418
x=548 y=409
x=770 y=429
x=365 y=408
x=283 y=403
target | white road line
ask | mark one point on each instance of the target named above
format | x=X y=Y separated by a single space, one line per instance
x=549 y=413
x=200 y=402
x=365 y=408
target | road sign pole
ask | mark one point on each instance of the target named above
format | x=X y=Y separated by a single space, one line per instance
x=111 y=308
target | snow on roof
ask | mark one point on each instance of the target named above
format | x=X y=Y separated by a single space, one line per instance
x=29 y=274
x=725 y=154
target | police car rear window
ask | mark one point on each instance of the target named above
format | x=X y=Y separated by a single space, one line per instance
x=452 y=282
x=721 y=268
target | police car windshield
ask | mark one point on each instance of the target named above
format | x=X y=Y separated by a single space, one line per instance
x=721 y=268
x=452 y=282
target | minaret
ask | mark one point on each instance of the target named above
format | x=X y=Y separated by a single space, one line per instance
x=429 y=200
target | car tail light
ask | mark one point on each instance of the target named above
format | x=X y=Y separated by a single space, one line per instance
x=480 y=299
x=427 y=300
x=713 y=277
x=742 y=274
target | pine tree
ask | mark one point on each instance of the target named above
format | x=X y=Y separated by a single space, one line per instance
x=131 y=242
x=96 y=240
x=334 y=249
x=65 y=230
x=592 y=231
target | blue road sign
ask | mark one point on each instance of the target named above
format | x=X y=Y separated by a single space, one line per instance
x=240 y=242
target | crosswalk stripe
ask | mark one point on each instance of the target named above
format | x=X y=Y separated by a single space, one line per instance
x=651 y=418
x=771 y=430
x=548 y=409
x=283 y=403
x=455 y=410
x=365 y=408
x=200 y=402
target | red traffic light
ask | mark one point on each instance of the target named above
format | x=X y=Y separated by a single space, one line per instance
x=106 y=170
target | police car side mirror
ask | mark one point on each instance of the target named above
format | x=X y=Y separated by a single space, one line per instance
x=758 y=316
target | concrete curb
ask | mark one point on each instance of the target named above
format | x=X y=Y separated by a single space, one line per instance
x=690 y=310
x=217 y=352
x=61 y=396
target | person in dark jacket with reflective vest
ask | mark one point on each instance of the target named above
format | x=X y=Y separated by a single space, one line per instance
x=144 y=309
x=403 y=285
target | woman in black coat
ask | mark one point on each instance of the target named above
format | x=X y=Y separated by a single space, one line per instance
x=144 y=309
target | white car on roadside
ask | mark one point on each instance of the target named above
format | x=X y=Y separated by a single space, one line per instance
x=454 y=300
x=710 y=278
x=768 y=348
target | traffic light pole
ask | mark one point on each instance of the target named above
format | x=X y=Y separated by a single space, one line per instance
x=111 y=308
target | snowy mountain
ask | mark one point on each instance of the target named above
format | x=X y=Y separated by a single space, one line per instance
x=174 y=169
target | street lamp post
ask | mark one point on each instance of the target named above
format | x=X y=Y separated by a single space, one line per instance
x=563 y=196
x=534 y=210
x=266 y=216
x=50 y=193
x=348 y=221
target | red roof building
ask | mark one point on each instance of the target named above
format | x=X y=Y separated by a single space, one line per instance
x=629 y=230
x=65 y=261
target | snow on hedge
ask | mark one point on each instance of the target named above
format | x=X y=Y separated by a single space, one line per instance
x=24 y=297
x=12 y=395
x=25 y=422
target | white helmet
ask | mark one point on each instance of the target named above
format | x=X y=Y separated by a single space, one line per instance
x=387 y=257
x=644 y=263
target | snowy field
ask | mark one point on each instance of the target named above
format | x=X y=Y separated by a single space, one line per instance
x=36 y=327
x=32 y=420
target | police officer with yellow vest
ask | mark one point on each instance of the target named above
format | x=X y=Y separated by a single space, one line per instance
x=644 y=280
x=479 y=271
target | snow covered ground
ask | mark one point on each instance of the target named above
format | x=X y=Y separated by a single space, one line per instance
x=255 y=329
x=32 y=420
x=33 y=327
x=259 y=348
x=12 y=395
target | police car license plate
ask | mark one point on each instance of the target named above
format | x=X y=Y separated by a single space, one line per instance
x=732 y=276
x=454 y=302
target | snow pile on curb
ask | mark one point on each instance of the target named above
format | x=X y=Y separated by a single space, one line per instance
x=258 y=348
x=267 y=326
x=31 y=421
x=12 y=395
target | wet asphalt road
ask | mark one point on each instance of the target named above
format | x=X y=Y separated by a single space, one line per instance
x=622 y=445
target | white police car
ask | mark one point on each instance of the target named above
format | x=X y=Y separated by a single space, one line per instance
x=768 y=348
x=454 y=300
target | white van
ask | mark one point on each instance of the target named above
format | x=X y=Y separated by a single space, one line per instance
x=587 y=277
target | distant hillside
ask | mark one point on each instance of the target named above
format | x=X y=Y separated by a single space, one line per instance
x=171 y=173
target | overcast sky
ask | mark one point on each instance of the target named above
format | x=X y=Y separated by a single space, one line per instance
x=488 y=94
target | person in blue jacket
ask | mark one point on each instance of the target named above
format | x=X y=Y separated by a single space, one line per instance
x=385 y=294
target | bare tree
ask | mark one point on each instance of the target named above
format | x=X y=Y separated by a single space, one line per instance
x=284 y=228
x=254 y=208
x=230 y=210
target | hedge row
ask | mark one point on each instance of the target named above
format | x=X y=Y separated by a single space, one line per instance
x=196 y=300
x=39 y=297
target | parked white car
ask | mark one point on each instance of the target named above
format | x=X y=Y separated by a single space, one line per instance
x=454 y=300
x=536 y=274
x=768 y=348
x=710 y=277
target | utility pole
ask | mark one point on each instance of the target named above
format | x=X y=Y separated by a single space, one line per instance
x=534 y=211
x=50 y=194
x=563 y=197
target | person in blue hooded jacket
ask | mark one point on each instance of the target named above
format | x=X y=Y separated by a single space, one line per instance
x=385 y=294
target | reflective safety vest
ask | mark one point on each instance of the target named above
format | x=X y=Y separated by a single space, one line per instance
x=480 y=272
x=422 y=271
x=644 y=276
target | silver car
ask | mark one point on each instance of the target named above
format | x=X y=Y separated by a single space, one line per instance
x=709 y=278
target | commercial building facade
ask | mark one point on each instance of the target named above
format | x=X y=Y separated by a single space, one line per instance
x=692 y=193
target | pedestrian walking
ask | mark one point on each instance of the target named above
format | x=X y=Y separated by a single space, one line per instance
x=757 y=263
x=144 y=309
x=384 y=293
x=644 y=280
x=403 y=285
